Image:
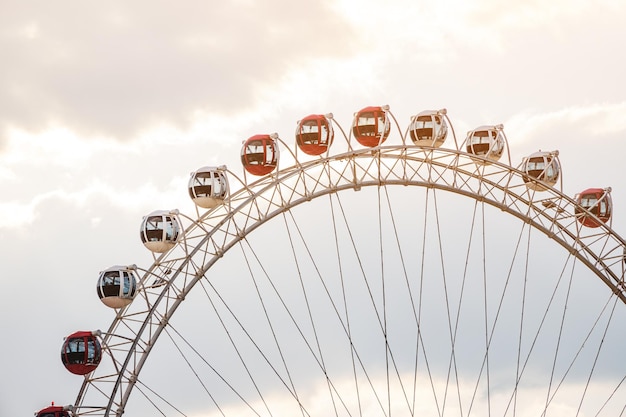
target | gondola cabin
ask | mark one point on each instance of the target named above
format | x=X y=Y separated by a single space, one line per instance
x=487 y=142
x=208 y=187
x=314 y=134
x=81 y=352
x=259 y=154
x=541 y=170
x=117 y=286
x=594 y=207
x=429 y=128
x=371 y=126
x=160 y=230
x=55 y=411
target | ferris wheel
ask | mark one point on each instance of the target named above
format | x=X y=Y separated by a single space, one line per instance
x=405 y=274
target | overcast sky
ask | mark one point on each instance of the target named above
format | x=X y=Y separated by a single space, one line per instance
x=106 y=107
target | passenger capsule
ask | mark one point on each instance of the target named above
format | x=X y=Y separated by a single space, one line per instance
x=55 y=411
x=160 y=230
x=314 y=134
x=487 y=142
x=594 y=206
x=81 y=352
x=541 y=170
x=259 y=154
x=371 y=126
x=117 y=286
x=208 y=187
x=429 y=128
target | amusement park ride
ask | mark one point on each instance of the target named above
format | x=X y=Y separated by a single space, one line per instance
x=208 y=187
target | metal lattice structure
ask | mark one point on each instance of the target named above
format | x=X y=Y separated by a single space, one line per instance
x=165 y=285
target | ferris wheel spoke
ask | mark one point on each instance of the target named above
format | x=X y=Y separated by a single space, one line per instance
x=582 y=345
x=559 y=337
x=194 y=371
x=153 y=403
x=308 y=306
x=420 y=343
x=269 y=321
x=595 y=359
x=316 y=356
x=411 y=298
x=451 y=330
x=347 y=328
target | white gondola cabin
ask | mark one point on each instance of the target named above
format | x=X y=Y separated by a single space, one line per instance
x=594 y=206
x=160 y=230
x=208 y=187
x=371 y=126
x=117 y=286
x=259 y=154
x=314 y=134
x=429 y=128
x=81 y=352
x=541 y=170
x=487 y=142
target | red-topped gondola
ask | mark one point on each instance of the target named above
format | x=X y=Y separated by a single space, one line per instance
x=55 y=411
x=259 y=154
x=371 y=126
x=541 y=170
x=429 y=128
x=594 y=207
x=314 y=134
x=487 y=142
x=117 y=286
x=160 y=230
x=208 y=186
x=81 y=352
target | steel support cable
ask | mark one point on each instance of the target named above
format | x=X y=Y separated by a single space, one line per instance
x=308 y=306
x=356 y=253
x=485 y=362
x=611 y=397
x=491 y=332
x=345 y=326
x=232 y=342
x=419 y=334
x=182 y=354
x=487 y=341
x=248 y=335
x=521 y=323
x=301 y=333
x=406 y=279
x=582 y=345
x=447 y=298
x=558 y=340
x=453 y=363
x=225 y=327
x=345 y=304
x=152 y=403
x=595 y=360
x=538 y=332
x=269 y=321
x=388 y=352
x=382 y=283
x=336 y=312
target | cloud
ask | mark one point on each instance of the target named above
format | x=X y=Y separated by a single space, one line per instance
x=580 y=123
x=117 y=66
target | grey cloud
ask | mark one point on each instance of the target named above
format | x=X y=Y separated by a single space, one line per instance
x=110 y=68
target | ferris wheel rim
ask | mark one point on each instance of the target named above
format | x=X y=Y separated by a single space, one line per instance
x=250 y=193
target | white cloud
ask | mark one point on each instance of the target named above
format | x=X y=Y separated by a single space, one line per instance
x=588 y=121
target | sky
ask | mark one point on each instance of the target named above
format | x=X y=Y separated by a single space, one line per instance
x=105 y=109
